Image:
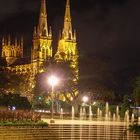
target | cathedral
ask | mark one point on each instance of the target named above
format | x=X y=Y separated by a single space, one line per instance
x=12 y=59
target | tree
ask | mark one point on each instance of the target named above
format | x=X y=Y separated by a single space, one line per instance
x=10 y=82
x=16 y=84
x=104 y=94
x=125 y=105
x=136 y=91
x=40 y=92
x=67 y=89
x=14 y=100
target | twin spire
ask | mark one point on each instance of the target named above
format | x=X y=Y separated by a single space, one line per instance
x=42 y=29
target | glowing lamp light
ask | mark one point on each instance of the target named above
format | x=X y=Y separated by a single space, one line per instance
x=85 y=99
x=53 y=80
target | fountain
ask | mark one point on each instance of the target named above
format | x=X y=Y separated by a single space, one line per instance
x=106 y=111
x=117 y=112
x=139 y=120
x=100 y=129
x=114 y=117
x=61 y=127
x=84 y=113
x=81 y=113
x=106 y=117
x=73 y=113
x=118 y=119
x=61 y=113
x=132 y=118
x=98 y=113
x=109 y=115
x=72 y=126
x=126 y=117
x=90 y=112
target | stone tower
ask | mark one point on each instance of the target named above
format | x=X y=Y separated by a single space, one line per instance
x=12 y=51
x=67 y=45
x=42 y=41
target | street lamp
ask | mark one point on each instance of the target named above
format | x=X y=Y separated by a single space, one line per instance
x=85 y=99
x=53 y=81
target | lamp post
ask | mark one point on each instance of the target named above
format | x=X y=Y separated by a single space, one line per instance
x=53 y=81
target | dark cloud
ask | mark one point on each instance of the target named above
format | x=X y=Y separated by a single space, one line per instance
x=110 y=29
x=7 y=8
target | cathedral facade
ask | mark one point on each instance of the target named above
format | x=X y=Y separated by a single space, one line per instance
x=41 y=51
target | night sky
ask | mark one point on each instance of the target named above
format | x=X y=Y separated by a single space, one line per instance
x=108 y=35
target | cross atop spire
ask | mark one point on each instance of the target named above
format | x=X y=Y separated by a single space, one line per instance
x=43 y=27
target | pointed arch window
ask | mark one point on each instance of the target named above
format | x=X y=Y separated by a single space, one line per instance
x=12 y=53
x=43 y=53
x=4 y=54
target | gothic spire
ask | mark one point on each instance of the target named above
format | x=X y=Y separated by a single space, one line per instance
x=67 y=31
x=43 y=27
x=22 y=41
x=16 y=41
x=3 y=41
x=9 y=40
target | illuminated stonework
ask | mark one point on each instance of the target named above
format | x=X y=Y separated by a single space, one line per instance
x=42 y=41
x=67 y=47
x=10 y=51
x=41 y=51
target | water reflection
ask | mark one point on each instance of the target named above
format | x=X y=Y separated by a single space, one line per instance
x=96 y=132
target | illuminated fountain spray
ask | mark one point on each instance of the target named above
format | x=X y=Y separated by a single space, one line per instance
x=85 y=100
x=132 y=118
x=138 y=120
x=106 y=111
x=114 y=117
x=117 y=114
x=126 y=118
x=61 y=126
x=72 y=113
x=90 y=112
x=81 y=113
x=106 y=117
x=90 y=118
x=61 y=113
x=72 y=127
x=109 y=115
x=98 y=113
x=84 y=112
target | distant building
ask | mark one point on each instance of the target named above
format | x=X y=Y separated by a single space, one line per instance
x=13 y=61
